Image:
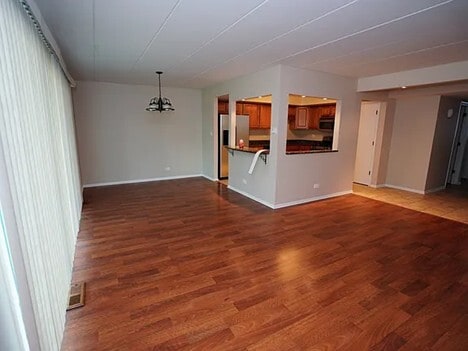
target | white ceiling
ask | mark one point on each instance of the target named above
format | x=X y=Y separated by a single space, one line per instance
x=201 y=42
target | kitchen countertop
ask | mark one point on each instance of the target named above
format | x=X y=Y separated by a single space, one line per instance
x=309 y=152
x=251 y=150
x=254 y=150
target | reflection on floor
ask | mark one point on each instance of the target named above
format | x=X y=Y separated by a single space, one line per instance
x=451 y=203
x=224 y=181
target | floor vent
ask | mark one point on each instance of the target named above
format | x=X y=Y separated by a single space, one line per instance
x=77 y=295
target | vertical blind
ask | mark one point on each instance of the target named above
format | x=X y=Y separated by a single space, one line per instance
x=38 y=139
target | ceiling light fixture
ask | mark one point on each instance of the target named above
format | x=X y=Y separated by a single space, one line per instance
x=160 y=104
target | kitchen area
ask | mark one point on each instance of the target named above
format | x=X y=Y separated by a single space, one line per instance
x=310 y=120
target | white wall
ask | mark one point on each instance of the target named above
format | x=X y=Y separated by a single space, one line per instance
x=442 y=143
x=450 y=72
x=412 y=136
x=287 y=179
x=333 y=171
x=260 y=83
x=120 y=141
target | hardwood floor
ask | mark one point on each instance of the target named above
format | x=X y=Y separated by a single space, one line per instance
x=190 y=265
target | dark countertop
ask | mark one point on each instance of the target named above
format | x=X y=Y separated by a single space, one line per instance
x=309 y=152
x=251 y=150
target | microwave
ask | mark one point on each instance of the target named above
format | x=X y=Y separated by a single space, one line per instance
x=327 y=123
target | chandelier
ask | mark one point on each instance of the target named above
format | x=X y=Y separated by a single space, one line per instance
x=161 y=103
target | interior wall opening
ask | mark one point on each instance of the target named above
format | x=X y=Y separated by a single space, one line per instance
x=311 y=124
x=223 y=137
x=457 y=173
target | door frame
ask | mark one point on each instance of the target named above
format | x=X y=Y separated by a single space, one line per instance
x=375 y=133
x=456 y=139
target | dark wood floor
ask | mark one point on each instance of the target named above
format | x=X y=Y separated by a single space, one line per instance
x=190 y=265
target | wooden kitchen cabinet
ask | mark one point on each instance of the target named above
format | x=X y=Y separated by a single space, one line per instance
x=327 y=110
x=302 y=118
x=314 y=117
x=223 y=107
x=239 y=106
x=259 y=114
x=264 y=116
x=308 y=117
x=251 y=110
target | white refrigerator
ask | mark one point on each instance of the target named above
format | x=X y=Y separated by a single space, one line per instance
x=242 y=132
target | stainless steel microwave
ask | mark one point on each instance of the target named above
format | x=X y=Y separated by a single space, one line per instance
x=327 y=123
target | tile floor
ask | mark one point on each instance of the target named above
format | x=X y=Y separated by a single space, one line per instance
x=451 y=203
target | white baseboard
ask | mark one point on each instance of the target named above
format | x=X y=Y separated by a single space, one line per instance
x=141 y=180
x=291 y=203
x=265 y=203
x=405 y=189
x=377 y=186
x=312 y=199
x=209 y=178
x=433 y=190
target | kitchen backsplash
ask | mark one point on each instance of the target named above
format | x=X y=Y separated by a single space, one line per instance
x=307 y=134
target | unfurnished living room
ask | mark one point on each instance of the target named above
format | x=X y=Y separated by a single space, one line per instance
x=233 y=175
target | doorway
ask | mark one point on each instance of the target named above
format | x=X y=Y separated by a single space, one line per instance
x=458 y=169
x=367 y=135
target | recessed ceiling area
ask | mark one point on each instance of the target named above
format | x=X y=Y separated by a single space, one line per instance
x=203 y=42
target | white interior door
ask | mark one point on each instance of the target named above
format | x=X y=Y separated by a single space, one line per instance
x=366 y=142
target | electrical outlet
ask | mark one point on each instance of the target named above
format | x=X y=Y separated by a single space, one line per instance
x=167 y=168
x=316 y=186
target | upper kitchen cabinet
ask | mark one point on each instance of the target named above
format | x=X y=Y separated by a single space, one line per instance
x=327 y=110
x=264 y=116
x=302 y=118
x=314 y=117
x=305 y=112
x=223 y=107
x=239 y=106
x=251 y=110
x=258 y=110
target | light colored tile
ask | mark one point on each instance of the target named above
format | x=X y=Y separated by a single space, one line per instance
x=451 y=203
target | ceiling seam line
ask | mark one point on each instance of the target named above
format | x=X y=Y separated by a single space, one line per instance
x=156 y=34
x=220 y=33
x=413 y=52
x=374 y=48
x=361 y=31
x=278 y=37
